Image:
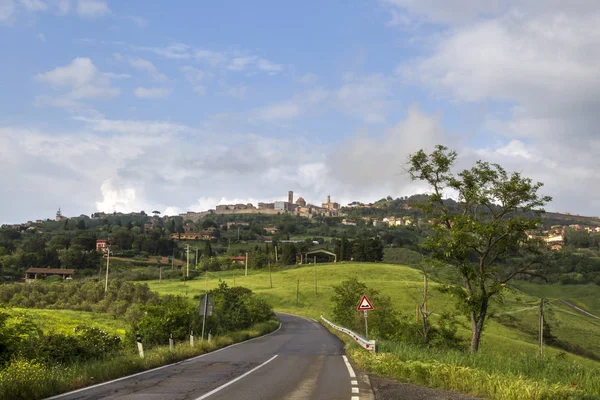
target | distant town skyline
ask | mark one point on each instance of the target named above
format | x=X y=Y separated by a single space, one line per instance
x=142 y=105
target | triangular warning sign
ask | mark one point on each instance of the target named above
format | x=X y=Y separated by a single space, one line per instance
x=365 y=304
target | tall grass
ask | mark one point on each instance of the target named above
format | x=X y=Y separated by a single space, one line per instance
x=23 y=379
x=512 y=376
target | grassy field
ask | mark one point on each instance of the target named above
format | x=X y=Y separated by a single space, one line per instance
x=404 y=286
x=64 y=321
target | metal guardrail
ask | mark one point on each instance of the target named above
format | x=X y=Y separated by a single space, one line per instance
x=370 y=345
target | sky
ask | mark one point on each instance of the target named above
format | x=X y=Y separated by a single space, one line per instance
x=179 y=106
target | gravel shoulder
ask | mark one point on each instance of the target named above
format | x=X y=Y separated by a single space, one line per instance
x=390 y=389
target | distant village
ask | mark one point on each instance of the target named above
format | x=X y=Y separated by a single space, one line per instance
x=299 y=207
x=554 y=236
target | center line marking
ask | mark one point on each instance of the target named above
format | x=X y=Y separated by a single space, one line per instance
x=236 y=379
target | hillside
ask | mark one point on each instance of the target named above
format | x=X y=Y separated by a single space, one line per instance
x=404 y=286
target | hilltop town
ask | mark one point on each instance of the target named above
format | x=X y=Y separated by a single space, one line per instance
x=300 y=208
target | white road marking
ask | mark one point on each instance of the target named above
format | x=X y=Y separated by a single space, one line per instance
x=350 y=370
x=355 y=398
x=236 y=379
x=354 y=390
x=159 y=368
x=354 y=383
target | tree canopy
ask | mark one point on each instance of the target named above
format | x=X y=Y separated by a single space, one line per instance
x=487 y=229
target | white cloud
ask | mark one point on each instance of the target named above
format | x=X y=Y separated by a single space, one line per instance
x=133 y=127
x=82 y=78
x=177 y=51
x=34 y=5
x=236 y=92
x=7 y=8
x=273 y=112
x=245 y=62
x=117 y=198
x=308 y=78
x=151 y=93
x=365 y=97
x=92 y=8
x=139 y=21
x=41 y=37
x=466 y=11
x=231 y=60
x=195 y=77
x=64 y=6
x=367 y=161
x=142 y=65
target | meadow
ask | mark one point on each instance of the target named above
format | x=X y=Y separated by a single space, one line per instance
x=65 y=321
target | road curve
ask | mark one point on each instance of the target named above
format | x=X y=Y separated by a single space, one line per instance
x=301 y=360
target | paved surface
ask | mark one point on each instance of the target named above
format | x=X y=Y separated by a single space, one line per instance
x=301 y=360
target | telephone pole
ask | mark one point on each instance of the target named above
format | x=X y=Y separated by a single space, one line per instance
x=541 y=327
x=246 y=263
x=187 y=250
x=107 y=264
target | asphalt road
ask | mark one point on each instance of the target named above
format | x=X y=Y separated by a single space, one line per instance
x=301 y=360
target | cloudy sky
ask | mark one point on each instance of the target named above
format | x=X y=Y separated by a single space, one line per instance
x=143 y=105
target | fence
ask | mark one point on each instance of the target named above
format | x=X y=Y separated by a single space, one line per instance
x=370 y=345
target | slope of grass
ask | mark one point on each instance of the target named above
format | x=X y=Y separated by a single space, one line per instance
x=64 y=321
x=403 y=285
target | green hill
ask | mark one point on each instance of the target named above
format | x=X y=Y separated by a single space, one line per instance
x=404 y=285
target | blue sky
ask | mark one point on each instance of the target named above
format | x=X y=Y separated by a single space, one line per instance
x=123 y=106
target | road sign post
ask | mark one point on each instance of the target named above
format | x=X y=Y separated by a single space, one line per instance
x=138 y=340
x=205 y=309
x=365 y=305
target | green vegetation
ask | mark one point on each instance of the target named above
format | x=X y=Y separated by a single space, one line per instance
x=65 y=321
x=507 y=356
x=29 y=379
x=32 y=350
x=488 y=229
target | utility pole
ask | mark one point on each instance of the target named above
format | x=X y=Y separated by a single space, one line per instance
x=187 y=250
x=246 y=263
x=315 y=277
x=297 y=291
x=541 y=327
x=107 y=264
x=159 y=274
x=276 y=252
x=270 y=277
x=196 y=260
x=238 y=233
x=172 y=259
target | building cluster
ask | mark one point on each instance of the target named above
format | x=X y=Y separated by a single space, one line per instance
x=299 y=207
x=555 y=236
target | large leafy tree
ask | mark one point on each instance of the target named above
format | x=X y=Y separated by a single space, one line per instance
x=484 y=232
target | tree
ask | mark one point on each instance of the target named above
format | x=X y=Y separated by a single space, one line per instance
x=208 y=249
x=81 y=225
x=486 y=228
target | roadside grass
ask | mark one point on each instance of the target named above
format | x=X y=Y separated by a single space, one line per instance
x=31 y=380
x=65 y=321
x=509 y=376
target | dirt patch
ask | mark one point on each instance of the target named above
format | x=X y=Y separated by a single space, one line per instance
x=390 y=389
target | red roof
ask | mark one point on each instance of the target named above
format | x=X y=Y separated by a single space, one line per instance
x=52 y=271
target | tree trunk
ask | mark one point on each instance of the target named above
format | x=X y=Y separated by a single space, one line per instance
x=477 y=325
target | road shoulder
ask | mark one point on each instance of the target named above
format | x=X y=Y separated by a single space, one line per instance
x=390 y=389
